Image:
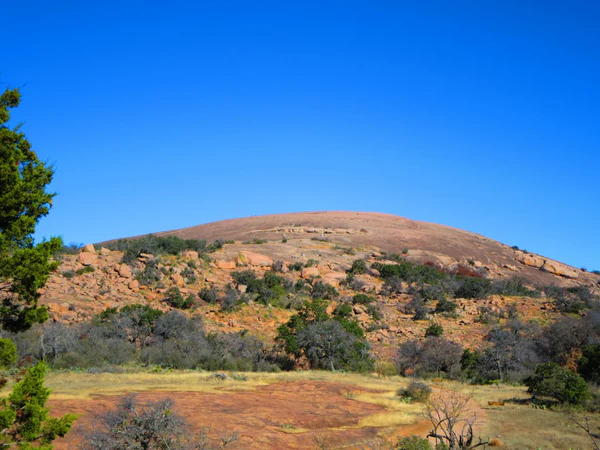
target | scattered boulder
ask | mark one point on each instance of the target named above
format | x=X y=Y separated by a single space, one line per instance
x=88 y=248
x=145 y=257
x=559 y=269
x=124 y=271
x=190 y=254
x=177 y=279
x=104 y=251
x=530 y=260
x=222 y=264
x=309 y=272
x=134 y=284
x=87 y=258
x=546 y=265
x=253 y=259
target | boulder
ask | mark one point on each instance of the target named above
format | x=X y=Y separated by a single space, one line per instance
x=177 y=279
x=253 y=259
x=559 y=269
x=145 y=257
x=530 y=260
x=87 y=258
x=309 y=272
x=190 y=254
x=88 y=248
x=222 y=264
x=124 y=271
x=334 y=275
x=134 y=284
x=546 y=265
x=104 y=251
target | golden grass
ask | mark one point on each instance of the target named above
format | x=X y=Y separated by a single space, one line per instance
x=515 y=425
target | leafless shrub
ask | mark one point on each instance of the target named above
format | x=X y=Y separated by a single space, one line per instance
x=452 y=420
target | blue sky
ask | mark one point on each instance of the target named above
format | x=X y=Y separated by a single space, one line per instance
x=478 y=115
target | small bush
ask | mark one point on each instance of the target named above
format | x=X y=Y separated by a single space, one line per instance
x=209 y=295
x=417 y=392
x=434 y=329
x=68 y=274
x=445 y=306
x=324 y=291
x=8 y=353
x=473 y=287
x=176 y=300
x=362 y=299
x=413 y=442
x=296 y=267
x=358 y=267
x=86 y=269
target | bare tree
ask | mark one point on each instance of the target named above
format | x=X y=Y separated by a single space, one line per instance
x=452 y=420
x=584 y=424
x=150 y=426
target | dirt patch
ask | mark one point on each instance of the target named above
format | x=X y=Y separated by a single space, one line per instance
x=282 y=415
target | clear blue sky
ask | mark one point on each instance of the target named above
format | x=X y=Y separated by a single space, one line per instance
x=160 y=115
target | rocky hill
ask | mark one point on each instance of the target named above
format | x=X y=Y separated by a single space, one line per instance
x=312 y=247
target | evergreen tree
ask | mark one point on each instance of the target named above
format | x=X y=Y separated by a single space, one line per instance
x=24 y=419
x=24 y=265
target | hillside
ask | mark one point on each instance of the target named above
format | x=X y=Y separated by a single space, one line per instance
x=330 y=242
x=393 y=234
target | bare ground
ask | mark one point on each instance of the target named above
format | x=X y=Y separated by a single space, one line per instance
x=282 y=415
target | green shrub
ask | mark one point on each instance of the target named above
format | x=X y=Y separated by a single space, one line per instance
x=150 y=275
x=551 y=380
x=159 y=245
x=413 y=442
x=434 y=329
x=209 y=295
x=86 y=269
x=359 y=266
x=410 y=272
x=296 y=267
x=68 y=274
x=176 y=300
x=473 y=287
x=445 y=306
x=8 y=353
x=589 y=364
x=324 y=290
x=362 y=299
x=416 y=391
x=514 y=286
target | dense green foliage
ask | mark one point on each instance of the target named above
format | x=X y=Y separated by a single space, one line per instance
x=139 y=334
x=270 y=289
x=551 y=380
x=326 y=341
x=589 y=364
x=161 y=245
x=8 y=353
x=24 y=265
x=24 y=419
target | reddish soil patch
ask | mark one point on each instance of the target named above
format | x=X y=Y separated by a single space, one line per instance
x=258 y=416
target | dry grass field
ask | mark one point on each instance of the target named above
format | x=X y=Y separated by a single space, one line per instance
x=308 y=409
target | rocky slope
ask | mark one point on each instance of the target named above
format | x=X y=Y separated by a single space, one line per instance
x=95 y=279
